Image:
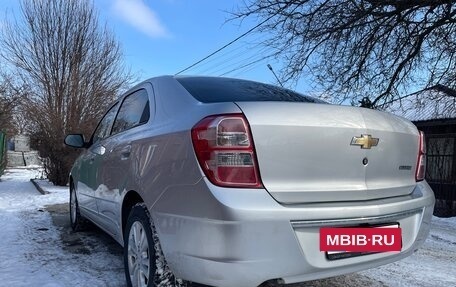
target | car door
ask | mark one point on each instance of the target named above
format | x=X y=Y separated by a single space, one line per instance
x=116 y=170
x=91 y=161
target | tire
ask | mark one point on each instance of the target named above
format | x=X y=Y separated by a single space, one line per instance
x=141 y=240
x=76 y=219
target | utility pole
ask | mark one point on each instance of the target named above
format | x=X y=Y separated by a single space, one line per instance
x=270 y=68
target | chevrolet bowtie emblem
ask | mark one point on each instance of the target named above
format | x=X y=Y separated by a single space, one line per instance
x=365 y=141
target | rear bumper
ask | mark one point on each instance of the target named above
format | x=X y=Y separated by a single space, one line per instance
x=242 y=237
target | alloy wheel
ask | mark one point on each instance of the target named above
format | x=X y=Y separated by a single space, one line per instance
x=138 y=255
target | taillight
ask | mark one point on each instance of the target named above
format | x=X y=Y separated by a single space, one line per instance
x=225 y=151
x=421 y=164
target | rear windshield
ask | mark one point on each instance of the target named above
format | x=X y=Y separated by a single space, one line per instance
x=215 y=90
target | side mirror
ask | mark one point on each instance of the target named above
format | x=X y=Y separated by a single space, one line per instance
x=75 y=140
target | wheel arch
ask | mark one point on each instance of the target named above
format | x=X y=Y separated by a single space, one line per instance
x=131 y=198
x=71 y=183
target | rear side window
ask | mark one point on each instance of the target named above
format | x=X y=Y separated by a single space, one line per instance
x=104 y=127
x=133 y=112
x=215 y=90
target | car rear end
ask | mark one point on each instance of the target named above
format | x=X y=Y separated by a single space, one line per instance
x=276 y=169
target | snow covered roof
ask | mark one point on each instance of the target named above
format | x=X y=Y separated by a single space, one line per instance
x=437 y=102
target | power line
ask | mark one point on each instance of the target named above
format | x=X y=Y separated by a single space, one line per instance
x=238 y=61
x=228 y=44
x=222 y=61
x=245 y=70
x=246 y=65
x=226 y=57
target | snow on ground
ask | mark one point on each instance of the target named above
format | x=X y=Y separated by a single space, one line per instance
x=32 y=249
x=434 y=264
x=38 y=248
x=17 y=193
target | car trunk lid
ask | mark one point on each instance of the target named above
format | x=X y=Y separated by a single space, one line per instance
x=311 y=152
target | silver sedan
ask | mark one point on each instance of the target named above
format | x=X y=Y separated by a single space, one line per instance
x=228 y=182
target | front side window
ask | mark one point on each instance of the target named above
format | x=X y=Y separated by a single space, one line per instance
x=104 y=127
x=133 y=112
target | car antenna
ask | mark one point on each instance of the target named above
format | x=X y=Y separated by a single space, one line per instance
x=270 y=68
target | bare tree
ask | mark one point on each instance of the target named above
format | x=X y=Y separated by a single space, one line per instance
x=5 y=110
x=9 y=101
x=369 y=51
x=72 y=68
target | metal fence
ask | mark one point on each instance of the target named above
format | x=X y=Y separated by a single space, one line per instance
x=441 y=171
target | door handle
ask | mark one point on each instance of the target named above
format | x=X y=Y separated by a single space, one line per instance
x=125 y=152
